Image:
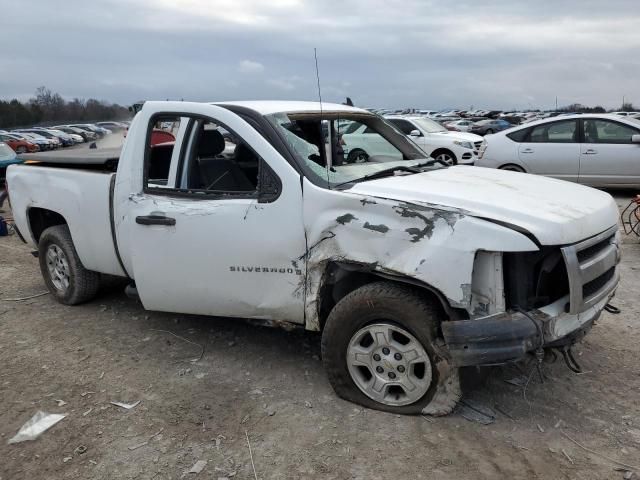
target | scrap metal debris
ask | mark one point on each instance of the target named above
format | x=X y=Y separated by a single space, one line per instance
x=38 y=424
x=193 y=360
x=146 y=442
x=251 y=455
x=601 y=455
x=198 y=466
x=19 y=299
x=128 y=406
x=476 y=412
x=80 y=449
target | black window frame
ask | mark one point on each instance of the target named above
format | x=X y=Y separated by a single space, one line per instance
x=266 y=175
x=527 y=138
x=516 y=133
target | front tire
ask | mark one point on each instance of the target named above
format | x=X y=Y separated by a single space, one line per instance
x=445 y=156
x=65 y=276
x=379 y=350
x=21 y=149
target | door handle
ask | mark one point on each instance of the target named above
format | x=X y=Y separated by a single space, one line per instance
x=155 y=220
x=590 y=151
x=527 y=150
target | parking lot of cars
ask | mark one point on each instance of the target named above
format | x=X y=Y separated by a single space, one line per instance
x=594 y=149
x=40 y=138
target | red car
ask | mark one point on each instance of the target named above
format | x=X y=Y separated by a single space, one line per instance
x=19 y=146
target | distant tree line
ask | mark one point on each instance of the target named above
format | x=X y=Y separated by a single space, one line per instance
x=48 y=107
x=577 y=107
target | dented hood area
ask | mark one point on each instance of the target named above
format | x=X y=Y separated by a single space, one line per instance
x=554 y=211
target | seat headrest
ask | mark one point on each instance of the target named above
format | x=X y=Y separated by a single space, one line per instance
x=211 y=143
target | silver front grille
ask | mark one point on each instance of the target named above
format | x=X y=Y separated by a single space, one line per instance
x=592 y=269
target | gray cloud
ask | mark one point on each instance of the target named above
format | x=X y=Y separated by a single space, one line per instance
x=386 y=53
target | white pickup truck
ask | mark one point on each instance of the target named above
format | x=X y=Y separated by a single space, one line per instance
x=410 y=268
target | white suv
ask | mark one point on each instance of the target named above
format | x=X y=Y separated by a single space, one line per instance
x=437 y=141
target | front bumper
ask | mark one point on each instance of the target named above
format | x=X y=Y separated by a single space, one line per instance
x=511 y=336
x=593 y=277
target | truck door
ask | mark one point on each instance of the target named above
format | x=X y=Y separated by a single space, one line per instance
x=214 y=226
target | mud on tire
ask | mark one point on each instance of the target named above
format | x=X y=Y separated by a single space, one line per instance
x=405 y=313
x=65 y=276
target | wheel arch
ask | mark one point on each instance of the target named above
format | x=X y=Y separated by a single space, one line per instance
x=42 y=218
x=341 y=278
x=511 y=164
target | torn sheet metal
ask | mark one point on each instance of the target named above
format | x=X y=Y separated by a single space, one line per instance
x=127 y=406
x=432 y=244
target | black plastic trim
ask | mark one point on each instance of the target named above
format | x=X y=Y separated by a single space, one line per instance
x=112 y=221
x=490 y=340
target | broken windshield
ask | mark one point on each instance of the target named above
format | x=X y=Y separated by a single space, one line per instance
x=337 y=148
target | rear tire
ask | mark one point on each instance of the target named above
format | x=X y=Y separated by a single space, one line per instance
x=488 y=132
x=65 y=276
x=379 y=342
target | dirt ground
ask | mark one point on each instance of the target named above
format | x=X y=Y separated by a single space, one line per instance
x=267 y=388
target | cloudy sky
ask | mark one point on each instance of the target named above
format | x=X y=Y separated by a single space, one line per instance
x=382 y=53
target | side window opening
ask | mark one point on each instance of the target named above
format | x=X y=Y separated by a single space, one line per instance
x=519 y=135
x=221 y=162
x=403 y=125
x=555 y=132
x=605 y=131
x=159 y=152
x=206 y=158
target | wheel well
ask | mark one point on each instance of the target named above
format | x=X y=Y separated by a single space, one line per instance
x=502 y=167
x=40 y=219
x=438 y=151
x=342 y=278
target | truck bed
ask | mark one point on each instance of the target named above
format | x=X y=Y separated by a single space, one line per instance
x=106 y=158
x=82 y=197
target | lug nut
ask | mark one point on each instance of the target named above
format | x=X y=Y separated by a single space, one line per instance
x=376 y=357
x=400 y=368
x=379 y=369
x=397 y=356
x=385 y=350
x=392 y=375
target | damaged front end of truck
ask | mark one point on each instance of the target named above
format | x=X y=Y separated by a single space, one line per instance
x=503 y=294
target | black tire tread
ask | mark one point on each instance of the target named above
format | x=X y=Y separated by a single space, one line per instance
x=84 y=283
x=340 y=322
x=447 y=151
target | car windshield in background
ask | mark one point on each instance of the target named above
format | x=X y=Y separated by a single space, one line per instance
x=357 y=145
x=429 y=126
